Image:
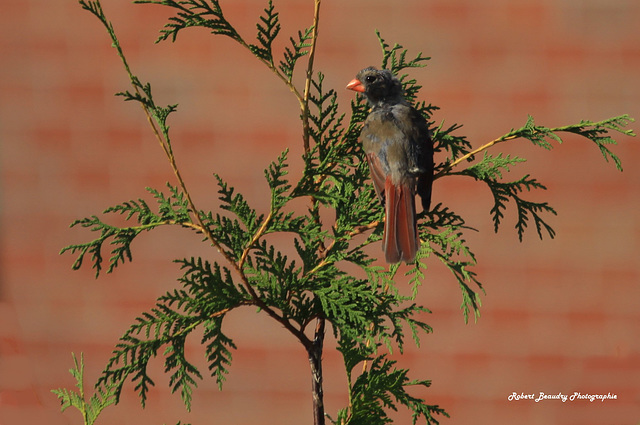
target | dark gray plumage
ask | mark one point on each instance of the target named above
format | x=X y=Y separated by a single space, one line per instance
x=395 y=138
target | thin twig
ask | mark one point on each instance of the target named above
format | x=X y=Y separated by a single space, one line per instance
x=307 y=85
x=450 y=165
x=278 y=74
x=185 y=331
x=255 y=238
x=356 y=231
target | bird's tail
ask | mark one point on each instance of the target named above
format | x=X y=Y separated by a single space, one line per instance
x=400 y=241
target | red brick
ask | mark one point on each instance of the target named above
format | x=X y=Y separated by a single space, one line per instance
x=566 y=54
x=90 y=179
x=83 y=92
x=545 y=363
x=630 y=54
x=444 y=11
x=18 y=398
x=53 y=137
x=538 y=100
x=128 y=139
x=528 y=14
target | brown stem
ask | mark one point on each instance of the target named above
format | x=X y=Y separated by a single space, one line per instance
x=307 y=85
x=315 y=361
x=472 y=153
x=314 y=350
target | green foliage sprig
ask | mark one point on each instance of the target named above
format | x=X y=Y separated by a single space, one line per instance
x=89 y=409
x=366 y=312
x=172 y=210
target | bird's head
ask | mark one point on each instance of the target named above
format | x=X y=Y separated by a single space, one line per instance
x=378 y=85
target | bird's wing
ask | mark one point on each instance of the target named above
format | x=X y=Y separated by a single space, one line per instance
x=420 y=149
x=377 y=174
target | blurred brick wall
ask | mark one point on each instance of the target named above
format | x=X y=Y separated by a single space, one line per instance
x=560 y=315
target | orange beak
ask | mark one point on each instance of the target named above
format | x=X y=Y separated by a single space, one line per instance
x=355 y=85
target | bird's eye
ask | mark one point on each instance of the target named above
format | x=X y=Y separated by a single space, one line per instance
x=370 y=78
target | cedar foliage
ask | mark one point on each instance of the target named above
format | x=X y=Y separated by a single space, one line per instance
x=366 y=313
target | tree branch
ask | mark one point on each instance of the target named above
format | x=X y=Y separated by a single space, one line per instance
x=315 y=361
x=486 y=146
x=307 y=85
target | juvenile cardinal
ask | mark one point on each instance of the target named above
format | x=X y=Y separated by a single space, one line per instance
x=396 y=141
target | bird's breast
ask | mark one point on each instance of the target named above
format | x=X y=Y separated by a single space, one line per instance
x=383 y=137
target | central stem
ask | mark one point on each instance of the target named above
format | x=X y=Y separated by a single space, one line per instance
x=314 y=348
x=307 y=85
x=315 y=360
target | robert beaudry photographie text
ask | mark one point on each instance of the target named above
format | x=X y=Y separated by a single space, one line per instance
x=564 y=397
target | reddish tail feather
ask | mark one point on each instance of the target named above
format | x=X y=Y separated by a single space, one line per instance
x=400 y=241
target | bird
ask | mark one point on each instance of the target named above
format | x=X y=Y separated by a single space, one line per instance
x=399 y=151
